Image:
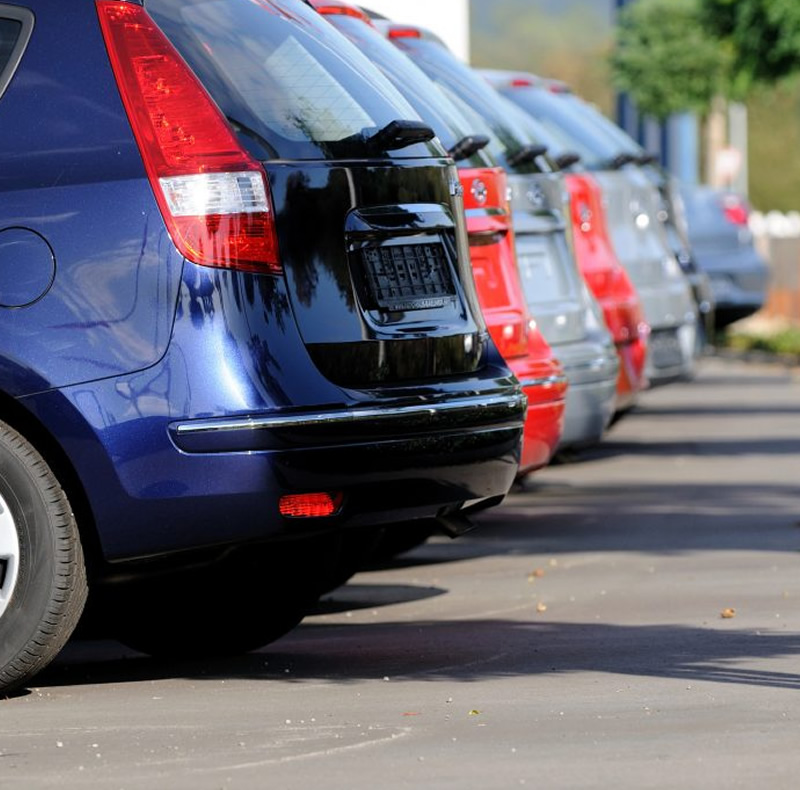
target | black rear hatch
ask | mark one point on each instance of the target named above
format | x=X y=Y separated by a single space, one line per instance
x=368 y=212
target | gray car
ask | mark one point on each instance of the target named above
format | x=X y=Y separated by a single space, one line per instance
x=566 y=313
x=632 y=206
x=672 y=211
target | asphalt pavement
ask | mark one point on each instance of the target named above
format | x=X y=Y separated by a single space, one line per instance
x=629 y=619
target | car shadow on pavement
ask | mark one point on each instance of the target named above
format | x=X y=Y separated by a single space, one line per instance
x=557 y=517
x=464 y=650
x=715 y=410
x=668 y=448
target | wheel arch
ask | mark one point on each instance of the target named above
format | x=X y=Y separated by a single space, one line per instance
x=22 y=420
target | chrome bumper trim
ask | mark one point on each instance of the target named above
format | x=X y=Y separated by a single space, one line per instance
x=545 y=381
x=513 y=403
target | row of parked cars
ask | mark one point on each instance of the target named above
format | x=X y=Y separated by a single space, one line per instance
x=285 y=286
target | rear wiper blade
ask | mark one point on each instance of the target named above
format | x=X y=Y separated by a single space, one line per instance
x=620 y=160
x=467 y=146
x=526 y=154
x=567 y=159
x=646 y=158
x=399 y=134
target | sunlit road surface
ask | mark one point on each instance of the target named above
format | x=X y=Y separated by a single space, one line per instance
x=627 y=620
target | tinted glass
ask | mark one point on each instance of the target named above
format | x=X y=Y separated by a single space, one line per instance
x=290 y=84
x=9 y=33
x=477 y=123
x=614 y=134
x=576 y=132
x=534 y=131
x=450 y=125
x=459 y=79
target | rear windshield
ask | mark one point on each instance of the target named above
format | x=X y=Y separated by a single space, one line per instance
x=291 y=85
x=460 y=80
x=616 y=136
x=15 y=30
x=434 y=108
x=567 y=125
x=9 y=33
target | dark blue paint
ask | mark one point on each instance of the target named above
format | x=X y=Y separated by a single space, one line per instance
x=27 y=267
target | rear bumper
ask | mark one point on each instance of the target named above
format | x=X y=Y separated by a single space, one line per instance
x=632 y=379
x=671 y=353
x=592 y=369
x=545 y=386
x=157 y=486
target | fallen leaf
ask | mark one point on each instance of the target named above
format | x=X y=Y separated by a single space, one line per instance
x=411 y=713
x=474 y=712
x=541 y=607
x=537 y=574
x=728 y=613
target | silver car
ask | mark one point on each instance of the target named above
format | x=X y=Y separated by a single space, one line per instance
x=632 y=206
x=566 y=313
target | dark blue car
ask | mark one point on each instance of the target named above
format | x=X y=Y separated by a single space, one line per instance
x=238 y=329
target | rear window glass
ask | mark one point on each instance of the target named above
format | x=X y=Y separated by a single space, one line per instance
x=567 y=125
x=15 y=29
x=459 y=79
x=434 y=108
x=291 y=85
x=615 y=135
x=9 y=34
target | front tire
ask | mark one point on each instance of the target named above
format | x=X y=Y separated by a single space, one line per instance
x=42 y=572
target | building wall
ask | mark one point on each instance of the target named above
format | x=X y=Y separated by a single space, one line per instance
x=449 y=19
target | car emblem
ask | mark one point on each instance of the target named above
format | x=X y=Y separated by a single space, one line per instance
x=479 y=191
x=585 y=216
x=535 y=196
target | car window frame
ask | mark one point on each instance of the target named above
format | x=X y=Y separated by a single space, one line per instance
x=27 y=20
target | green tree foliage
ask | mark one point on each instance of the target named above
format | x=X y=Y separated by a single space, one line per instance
x=665 y=59
x=763 y=37
x=774 y=129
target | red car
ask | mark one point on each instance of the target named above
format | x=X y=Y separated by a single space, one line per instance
x=490 y=231
x=610 y=284
x=494 y=265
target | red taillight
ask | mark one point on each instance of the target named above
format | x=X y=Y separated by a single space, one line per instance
x=404 y=32
x=511 y=338
x=316 y=505
x=212 y=194
x=521 y=82
x=340 y=10
x=735 y=209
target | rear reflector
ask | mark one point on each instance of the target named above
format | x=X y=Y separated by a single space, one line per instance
x=341 y=10
x=736 y=209
x=212 y=194
x=404 y=32
x=316 y=505
x=512 y=339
